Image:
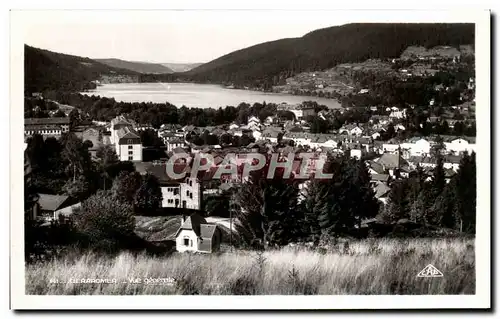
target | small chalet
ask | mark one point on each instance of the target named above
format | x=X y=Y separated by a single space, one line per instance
x=53 y=207
x=196 y=235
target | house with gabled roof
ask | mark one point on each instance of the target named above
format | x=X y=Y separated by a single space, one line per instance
x=118 y=123
x=128 y=145
x=458 y=145
x=197 y=235
x=185 y=192
x=174 y=143
x=47 y=127
x=382 y=192
x=52 y=207
x=392 y=162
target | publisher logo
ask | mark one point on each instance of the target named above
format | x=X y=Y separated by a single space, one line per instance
x=430 y=271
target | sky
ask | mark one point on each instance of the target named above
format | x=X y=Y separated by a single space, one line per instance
x=166 y=36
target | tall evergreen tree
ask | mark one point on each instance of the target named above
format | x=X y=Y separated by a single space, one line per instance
x=466 y=193
x=438 y=177
x=348 y=197
x=315 y=202
x=398 y=205
x=417 y=195
x=445 y=207
x=269 y=212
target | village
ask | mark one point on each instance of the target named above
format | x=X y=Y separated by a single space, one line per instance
x=386 y=161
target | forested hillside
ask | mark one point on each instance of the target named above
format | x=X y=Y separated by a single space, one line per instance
x=140 y=67
x=269 y=63
x=46 y=70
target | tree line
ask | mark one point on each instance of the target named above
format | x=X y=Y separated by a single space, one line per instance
x=277 y=212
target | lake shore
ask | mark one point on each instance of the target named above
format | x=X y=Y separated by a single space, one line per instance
x=198 y=95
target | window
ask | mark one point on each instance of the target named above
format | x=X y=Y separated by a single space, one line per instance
x=130 y=152
x=176 y=202
x=130 y=141
x=130 y=158
x=187 y=193
x=176 y=191
x=130 y=147
x=186 y=241
x=191 y=195
x=190 y=183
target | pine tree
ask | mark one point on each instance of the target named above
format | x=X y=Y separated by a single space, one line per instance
x=418 y=195
x=269 y=212
x=419 y=207
x=313 y=205
x=438 y=178
x=363 y=198
x=398 y=206
x=465 y=193
x=348 y=198
x=446 y=207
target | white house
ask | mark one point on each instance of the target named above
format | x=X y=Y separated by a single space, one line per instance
x=330 y=143
x=128 y=145
x=181 y=194
x=253 y=119
x=234 y=126
x=257 y=135
x=418 y=147
x=390 y=147
x=375 y=135
x=459 y=145
x=117 y=123
x=398 y=114
x=356 y=131
x=196 y=235
x=356 y=153
x=174 y=143
x=47 y=127
x=269 y=120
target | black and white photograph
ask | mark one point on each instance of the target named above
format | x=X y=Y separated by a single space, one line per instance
x=193 y=153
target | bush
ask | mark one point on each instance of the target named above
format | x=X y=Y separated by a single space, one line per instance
x=105 y=223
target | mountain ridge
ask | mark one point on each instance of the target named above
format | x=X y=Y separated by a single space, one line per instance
x=269 y=63
x=46 y=70
x=137 y=66
x=181 y=67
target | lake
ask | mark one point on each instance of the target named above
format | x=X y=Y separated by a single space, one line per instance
x=197 y=95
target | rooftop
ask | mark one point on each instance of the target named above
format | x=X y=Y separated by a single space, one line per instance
x=51 y=202
x=127 y=132
x=47 y=121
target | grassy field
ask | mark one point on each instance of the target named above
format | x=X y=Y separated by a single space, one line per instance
x=386 y=266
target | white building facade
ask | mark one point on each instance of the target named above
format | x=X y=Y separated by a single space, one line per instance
x=184 y=194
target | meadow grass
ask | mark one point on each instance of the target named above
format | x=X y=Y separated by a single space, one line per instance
x=386 y=266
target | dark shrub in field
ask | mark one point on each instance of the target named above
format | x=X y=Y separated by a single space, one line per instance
x=105 y=223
